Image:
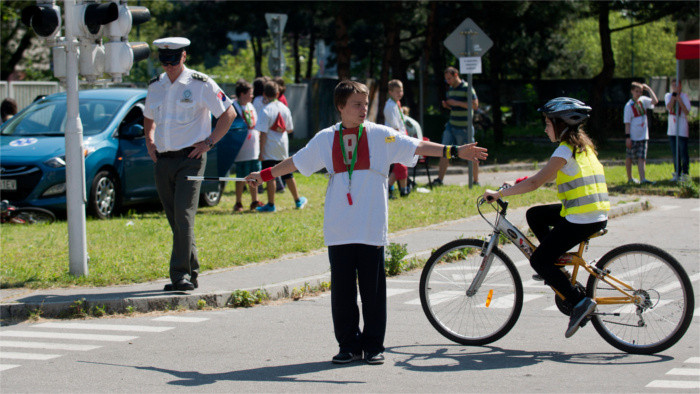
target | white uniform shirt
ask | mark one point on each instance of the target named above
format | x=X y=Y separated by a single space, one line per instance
x=393 y=116
x=672 y=118
x=366 y=221
x=277 y=143
x=182 y=109
x=571 y=168
x=250 y=150
x=639 y=127
x=258 y=104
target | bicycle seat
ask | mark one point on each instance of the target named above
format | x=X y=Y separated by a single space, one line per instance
x=599 y=233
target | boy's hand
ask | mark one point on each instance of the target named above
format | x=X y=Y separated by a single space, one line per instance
x=254 y=179
x=444 y=104
x=472 y=152
x=490 y=195
x=628 y=143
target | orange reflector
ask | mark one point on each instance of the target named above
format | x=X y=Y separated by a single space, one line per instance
x=489 y=297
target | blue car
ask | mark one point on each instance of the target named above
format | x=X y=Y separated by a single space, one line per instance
x=118 y=169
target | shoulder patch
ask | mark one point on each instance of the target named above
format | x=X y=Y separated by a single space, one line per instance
x=154 y=79
x=200 y=77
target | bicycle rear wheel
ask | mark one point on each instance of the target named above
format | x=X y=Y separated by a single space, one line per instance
x=33 y=215
x=666 y=305
x=477 y=319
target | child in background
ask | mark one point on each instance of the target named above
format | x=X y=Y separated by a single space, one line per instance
x=247 y=158
x=393 y=117
x=637 y=129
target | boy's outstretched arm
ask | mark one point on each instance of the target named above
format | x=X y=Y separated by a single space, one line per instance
x=285 y=167
x=466 y=152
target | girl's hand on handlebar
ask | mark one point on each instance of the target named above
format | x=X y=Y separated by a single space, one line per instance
x=491 y=195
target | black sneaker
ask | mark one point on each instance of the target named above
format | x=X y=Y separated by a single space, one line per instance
x=537 y=277
x=374 y=358
x=584 y=308
x=437 y=182
x=346 y=357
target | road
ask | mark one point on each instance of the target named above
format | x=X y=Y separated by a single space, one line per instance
x=287 y=346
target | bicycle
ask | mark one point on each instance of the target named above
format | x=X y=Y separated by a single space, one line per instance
x=24 y=215
x=472 y=294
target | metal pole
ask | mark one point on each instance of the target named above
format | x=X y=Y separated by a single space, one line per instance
x=75 y=163
x=470 y=112
x=678 y=123
x=421 y=108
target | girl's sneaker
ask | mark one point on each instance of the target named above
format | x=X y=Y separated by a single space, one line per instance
x=301 y=202
x=266 y=208
x=255 y=204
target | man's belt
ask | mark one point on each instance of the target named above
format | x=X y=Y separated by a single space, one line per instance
x=174 y=154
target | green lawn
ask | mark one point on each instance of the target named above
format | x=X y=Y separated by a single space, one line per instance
x=136 y=247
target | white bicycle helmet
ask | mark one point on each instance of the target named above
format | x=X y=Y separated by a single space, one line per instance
x=568 y=109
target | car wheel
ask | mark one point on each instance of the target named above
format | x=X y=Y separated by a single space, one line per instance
x=212 y=198
x=104 y=195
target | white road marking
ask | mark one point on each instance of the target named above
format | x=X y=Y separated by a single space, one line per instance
x=438 y=298
x=63 y=335
x=46 y=345
x=697 y=312
x=668 y=207
x=675 y=285
x=393 y=292
x=181 y=319
x=102 y=327
x=693 y=360
x=508 y=300
x=5 y=367
x=27 y=356
x=684 y=372
x=674 y=384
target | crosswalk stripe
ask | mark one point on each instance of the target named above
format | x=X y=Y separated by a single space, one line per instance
x=693 y=360
x=46 y=345
x=181 y=319
x=102 y=327
x=64 y=335
x=695 y=210
x=27 y=356
x=5 y=367
x=684 y=372
x=668 y=207
x=674 y=384
x=507 y=301
x=393 y=292
x=697 y=312
x=675 y=285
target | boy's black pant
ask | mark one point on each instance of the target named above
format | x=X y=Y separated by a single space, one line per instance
x=363 y=264
x=563 y=236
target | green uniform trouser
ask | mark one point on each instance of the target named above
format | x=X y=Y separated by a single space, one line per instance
x=180 y=199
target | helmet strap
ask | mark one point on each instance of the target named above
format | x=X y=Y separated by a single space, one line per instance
x=562 y=133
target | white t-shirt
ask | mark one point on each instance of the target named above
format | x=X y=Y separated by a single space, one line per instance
x=182 y=109
x=250 y=150
x=672 y=118
x=277 y=143
x=636 y=116
x=571 y=168
x=393 y=117
x=258 y=104
x=366 y=221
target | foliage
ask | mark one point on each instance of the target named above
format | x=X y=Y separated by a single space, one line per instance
x=394 y=261
x=242 y=298
x=201 y=303
x=689 y=189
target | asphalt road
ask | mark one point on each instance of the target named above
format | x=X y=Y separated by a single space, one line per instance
x=286 y=347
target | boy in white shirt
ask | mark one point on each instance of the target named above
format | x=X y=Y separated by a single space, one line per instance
x=678 y=102
x=247 y=158
x=274 y=123
x=393 y=117
x=357 y=155
x=637 y=129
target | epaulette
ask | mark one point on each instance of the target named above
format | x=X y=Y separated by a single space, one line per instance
x=200 y=77
x=154 y=79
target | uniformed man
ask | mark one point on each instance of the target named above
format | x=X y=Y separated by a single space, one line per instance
x=178 y=132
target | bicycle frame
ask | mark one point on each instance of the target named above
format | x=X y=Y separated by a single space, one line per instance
x=524 y=245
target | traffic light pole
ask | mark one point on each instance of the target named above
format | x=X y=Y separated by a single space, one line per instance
x=75 y=159
x=470 y=109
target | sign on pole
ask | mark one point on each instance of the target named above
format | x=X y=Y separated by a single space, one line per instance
x=276 y=62
x=468 y=43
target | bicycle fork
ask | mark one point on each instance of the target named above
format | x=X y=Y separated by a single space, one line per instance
x=487 y=259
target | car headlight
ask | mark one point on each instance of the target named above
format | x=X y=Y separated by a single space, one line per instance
x=54 y=190
x=56 y=162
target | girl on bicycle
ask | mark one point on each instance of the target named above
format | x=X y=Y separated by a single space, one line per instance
x=584 y=200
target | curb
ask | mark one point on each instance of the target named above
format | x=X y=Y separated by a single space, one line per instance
x=220 y=299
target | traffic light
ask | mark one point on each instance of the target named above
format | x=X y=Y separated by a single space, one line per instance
x=120 y=53
x=44 y=18
x=92 y=16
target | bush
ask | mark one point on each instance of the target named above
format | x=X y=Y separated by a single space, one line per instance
x=394 y=258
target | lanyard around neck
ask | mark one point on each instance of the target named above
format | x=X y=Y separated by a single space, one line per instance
x=403 y=121
x=350 y=168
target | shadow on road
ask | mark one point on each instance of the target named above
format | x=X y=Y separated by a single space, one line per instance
x=440 y=358
x=277 y=373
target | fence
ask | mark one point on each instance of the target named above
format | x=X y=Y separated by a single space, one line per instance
x=24 y=92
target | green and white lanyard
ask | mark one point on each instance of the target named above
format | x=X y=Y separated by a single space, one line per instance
x=403 y=121
x=351 y=167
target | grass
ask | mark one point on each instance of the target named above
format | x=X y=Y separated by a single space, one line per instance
x=136 y=246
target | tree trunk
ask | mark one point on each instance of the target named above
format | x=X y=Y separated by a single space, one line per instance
x=16 y=57
x=312 y=49
x=427 y=51
x=603 y=79
x=494 y=75
x=257 y=55
x=297 y=64
x=391 y=31
x=342 y=47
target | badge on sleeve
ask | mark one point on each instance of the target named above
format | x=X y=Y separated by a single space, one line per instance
x=390 y=139
x=222 y=96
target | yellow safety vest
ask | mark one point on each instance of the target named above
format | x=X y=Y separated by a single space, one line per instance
x=586 y=191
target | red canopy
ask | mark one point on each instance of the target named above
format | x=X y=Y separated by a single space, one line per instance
x=688 y=50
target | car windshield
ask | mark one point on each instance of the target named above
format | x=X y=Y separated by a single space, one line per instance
x=49 y=117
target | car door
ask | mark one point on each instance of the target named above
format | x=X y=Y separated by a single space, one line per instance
x=137 y=177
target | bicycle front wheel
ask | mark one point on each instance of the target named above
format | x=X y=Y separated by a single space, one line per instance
x=664 y=306
x=33 y=215
x=470 y=319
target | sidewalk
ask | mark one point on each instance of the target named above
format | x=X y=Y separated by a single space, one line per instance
x=277 y=277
